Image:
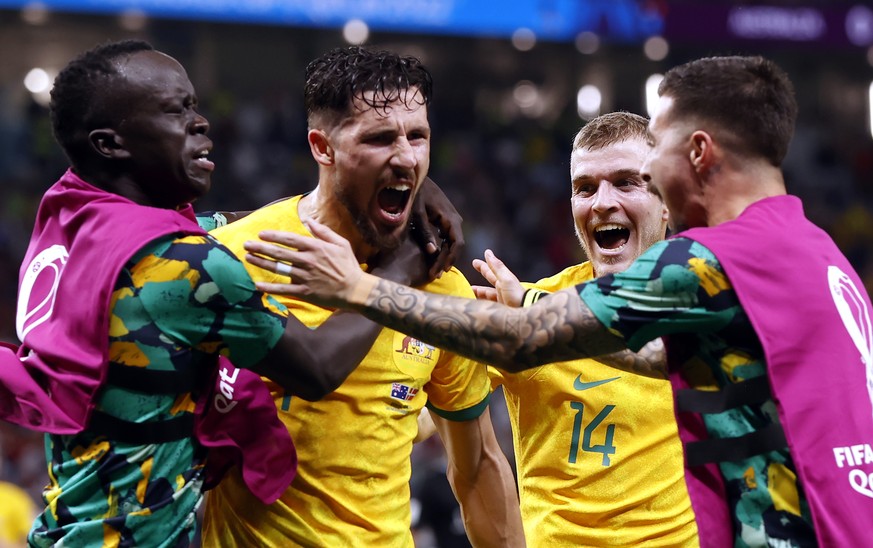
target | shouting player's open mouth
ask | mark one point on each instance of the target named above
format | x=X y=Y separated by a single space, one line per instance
x=611 y=237
x=393 y=203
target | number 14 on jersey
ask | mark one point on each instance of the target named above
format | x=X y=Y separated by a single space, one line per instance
x=606 y=448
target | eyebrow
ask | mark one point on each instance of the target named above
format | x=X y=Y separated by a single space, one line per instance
x=627 y=173
x=620 y=174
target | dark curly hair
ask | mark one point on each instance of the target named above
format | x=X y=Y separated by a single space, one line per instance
x=76 y=97
x=341 y=75
x=750 y=97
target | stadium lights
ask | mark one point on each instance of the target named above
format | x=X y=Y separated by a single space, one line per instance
x=656 y=48
x=652 y=83
x=587 y=42
x=529 y=99
x=35 y=13
x=525 y=94
x=588 y=101
x=39 y=83
x=524 y=39
x=356 y=32
x=132 y=19
x=870 y=107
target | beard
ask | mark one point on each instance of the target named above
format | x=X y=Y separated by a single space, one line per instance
x=366 y=229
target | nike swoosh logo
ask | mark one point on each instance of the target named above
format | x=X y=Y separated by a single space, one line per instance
x=579 y=385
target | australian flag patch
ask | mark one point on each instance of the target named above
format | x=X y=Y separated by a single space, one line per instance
x=403 y=392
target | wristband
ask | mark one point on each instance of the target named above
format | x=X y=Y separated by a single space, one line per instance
x=532 y=295
x=362 y=289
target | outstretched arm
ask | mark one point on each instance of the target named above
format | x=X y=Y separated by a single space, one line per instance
x=482 y=481
x=312 y=363
x=226 y=217
x=558 y=327
x=650 y=361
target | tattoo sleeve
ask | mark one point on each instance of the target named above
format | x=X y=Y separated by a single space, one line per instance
x=650 y=361
x=558 y=327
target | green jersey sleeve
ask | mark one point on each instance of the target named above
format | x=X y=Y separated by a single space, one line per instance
x=676 y=286
x=199 y=295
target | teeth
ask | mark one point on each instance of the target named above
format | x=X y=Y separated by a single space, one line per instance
x=608 y=226
x=399 y=187
x=202 y=154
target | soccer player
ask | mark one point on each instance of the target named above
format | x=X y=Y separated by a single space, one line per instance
x=126 y=305
x=767 y=325
x=370 y=135
x=597 y=452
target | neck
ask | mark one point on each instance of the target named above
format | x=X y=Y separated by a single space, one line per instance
x=121 y=185
x=731 y=193
x=324 y=207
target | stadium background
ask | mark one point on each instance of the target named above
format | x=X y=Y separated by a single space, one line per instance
x=514 y=81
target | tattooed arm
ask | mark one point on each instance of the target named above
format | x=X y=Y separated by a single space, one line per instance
x=556 y=328
x=650 y=361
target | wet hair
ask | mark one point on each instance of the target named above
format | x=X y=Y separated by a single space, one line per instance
x=77 y=96
x=609 y=129
x=335 y=79
x=749 y=97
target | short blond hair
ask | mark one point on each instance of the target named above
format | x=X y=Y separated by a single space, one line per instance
x=608 y=129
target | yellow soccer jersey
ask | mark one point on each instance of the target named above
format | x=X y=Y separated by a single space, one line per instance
x=17 y=512
x=354 y=446
x=598 y=455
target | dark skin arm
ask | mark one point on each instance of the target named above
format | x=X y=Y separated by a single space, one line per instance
x=436 y=226
x=232 y=216
x=311 y=363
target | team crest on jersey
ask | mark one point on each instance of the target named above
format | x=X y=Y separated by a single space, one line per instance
x=403 y=392
x=410 y=354
x=39 y=289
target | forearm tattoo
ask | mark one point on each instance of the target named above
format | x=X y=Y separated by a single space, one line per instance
x=650 y=361
x=558 y=327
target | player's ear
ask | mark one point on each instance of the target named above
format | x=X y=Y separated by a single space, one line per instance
x=319 y=145
x=702 y=152
x=108 y=143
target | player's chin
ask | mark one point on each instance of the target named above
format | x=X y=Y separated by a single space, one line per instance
x=199 y=185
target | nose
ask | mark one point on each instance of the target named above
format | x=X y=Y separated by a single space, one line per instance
x=645 y=173
x=605 y=198
x=404 y=155
x=200 y=125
